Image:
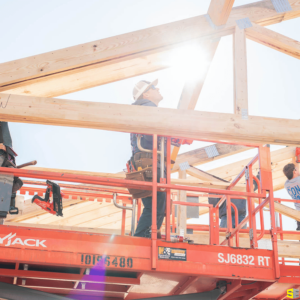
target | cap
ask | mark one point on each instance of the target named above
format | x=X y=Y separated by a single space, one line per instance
x=141 y=87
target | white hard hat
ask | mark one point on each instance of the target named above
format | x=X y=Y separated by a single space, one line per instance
x=141 y=87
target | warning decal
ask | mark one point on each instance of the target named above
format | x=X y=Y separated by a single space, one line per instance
x=171 y=253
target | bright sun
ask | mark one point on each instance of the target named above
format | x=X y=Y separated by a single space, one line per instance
x=188 y=61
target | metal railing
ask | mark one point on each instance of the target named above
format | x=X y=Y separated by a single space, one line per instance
x=264 y=194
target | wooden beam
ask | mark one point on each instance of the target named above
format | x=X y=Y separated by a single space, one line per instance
x=181 y=228
x=149 y=120
x=230 y=171
x=203 y=175
x=71 y=228
x=46 y=218
x=285 y=248
x=219 y=11
x=288 y=249
x=33 y=210
x=240 y=73
x=32 y=75
x=83 y=212
x=200 y=156
x=204 y=235
x=273 y=40
x=285 y=210
x=78 y=79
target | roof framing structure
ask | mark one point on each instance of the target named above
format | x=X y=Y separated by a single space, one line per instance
x=115 y=58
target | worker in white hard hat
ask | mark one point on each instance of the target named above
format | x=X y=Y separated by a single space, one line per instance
x=146 y=93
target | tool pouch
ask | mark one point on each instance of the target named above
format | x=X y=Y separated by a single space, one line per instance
x=6 y=184
x=142 y=175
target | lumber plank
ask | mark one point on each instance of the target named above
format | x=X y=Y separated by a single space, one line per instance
x=34 y=210
x=181 y=219
x=219 y=11
x=199 y=156
x=91 y=76
x=240 y=73
x=80 y=213
x=89 y=215
x=273 y=40
x=117 y=224
x=195 y=172
x=120 y=175
x=149 y=120
x=289 y=249
x=106 y=221
x=230 y=171
x=45 y=217
x=284 y=210
x=34 y=73
x=286 y=236
x=69 y=228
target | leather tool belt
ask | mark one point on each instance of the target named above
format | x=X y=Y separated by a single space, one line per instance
x=143 y=175
x=141 y=169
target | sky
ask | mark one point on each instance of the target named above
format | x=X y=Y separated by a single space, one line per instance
x=32 y=27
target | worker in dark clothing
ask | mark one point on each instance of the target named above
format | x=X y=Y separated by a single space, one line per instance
x=146 y=93
x=7 y=159
x=241 y=205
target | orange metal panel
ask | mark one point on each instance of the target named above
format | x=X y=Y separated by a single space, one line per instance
x=79 y=249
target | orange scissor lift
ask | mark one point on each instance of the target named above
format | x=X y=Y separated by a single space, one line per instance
x=87 y=265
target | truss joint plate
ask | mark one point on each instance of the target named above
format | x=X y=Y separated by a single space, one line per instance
x=184 y=166
x=244 y=112
x=281 y=6
x=212 y=24
x=244 y=23
x=211 y=151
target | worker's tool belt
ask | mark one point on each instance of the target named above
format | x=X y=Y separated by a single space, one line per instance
x=142 y=160
x=142 y=171
x=143 y=175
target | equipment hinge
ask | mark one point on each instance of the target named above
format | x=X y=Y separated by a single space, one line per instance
x=251 y=234
x=247 y=174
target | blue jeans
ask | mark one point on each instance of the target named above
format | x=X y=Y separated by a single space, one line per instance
x=223 y=223
x=145 y=222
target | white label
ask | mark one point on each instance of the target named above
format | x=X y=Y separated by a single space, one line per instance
x=246 y=260
x=10 y=240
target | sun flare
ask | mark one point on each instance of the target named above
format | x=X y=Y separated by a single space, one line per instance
x=189 y=61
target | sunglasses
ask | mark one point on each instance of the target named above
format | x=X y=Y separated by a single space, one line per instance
x=151 y=87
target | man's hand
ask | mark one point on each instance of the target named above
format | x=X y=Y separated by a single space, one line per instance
x=2 y=147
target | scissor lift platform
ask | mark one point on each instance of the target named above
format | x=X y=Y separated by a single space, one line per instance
x=89 y=265
x=77 y=264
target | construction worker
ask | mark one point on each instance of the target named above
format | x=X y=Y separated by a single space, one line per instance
x=7 y=159
x=146 y=93
x=241 y=205
x=292 y=185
